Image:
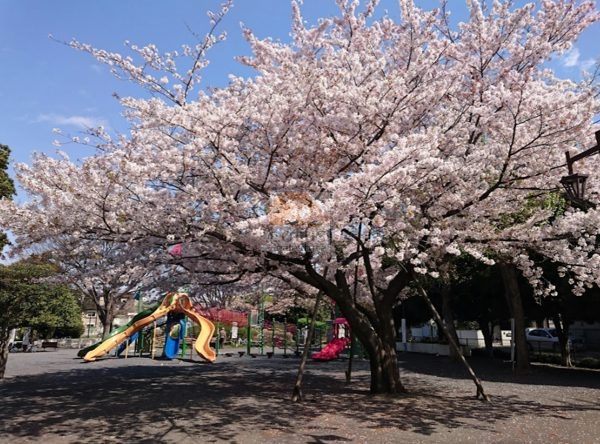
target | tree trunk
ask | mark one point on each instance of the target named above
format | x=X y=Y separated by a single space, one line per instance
x=4 y=338
x=106 y=313
x=106 y=327
x=373 y=329
x=385 y=374
x=488 y=336
x=513 y=298
x=380 y=346
x=350 y=360
x=448 y=318
x=562 y=329
x=562 y=324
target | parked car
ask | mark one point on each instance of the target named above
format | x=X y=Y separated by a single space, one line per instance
x=547 y=339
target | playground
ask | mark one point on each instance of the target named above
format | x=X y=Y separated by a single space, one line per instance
x=174 y=315
x=56 y=397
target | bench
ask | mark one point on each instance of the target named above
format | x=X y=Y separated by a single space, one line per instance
x=48 y=344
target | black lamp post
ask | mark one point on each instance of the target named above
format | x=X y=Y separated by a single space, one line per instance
x=574 y=183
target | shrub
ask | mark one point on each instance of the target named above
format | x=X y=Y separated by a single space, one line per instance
x=73 y=331
x=588 y=363
x=547 y=358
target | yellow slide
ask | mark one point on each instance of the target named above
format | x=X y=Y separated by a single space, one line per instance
x=178 y=303
x=202 y=344
x=115 y=340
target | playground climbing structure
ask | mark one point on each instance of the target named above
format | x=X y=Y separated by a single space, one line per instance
x=173 y=303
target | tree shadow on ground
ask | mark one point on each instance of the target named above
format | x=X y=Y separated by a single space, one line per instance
x=236 y=401
x=497 y=370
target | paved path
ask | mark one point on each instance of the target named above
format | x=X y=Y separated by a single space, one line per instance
x=53 y=397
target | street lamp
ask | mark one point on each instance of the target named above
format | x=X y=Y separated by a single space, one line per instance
x=574 y=184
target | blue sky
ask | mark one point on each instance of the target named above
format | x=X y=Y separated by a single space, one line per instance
x=44 y=84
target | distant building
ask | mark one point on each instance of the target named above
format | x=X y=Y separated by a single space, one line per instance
x=91 y=321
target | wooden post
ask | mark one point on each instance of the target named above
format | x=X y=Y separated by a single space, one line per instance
x=454 y=345
x=297 y=393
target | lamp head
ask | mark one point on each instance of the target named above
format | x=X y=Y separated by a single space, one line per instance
x=574 y=185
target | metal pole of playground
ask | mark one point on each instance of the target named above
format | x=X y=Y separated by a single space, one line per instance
x=217 y=342
x=153 y=339
x=284 y=336
x=320 y=338
x=261 y=325
x=184 y=335
x=140 y=341
x=273 y=335
x=249 y=333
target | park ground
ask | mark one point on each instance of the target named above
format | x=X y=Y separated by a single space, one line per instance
x=54 y=397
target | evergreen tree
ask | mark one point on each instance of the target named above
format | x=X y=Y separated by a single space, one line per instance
x=28 y=298
x=7 y=186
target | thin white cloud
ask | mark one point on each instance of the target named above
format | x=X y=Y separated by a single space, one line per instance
x=571 y=58
x=82 y=122
x=98 y=69
x=587 y=64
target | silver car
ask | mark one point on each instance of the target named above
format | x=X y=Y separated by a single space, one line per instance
x=547 y=339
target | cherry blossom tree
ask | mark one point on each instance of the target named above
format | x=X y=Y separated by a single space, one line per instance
x=109 y=274
x=361 y=156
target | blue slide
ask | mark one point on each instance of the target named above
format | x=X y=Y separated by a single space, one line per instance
x=174 y=336
x=129 y=341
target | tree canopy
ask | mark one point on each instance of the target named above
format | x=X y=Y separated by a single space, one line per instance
x=28 y=299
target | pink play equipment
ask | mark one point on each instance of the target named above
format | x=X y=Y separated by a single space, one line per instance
x=341 y=339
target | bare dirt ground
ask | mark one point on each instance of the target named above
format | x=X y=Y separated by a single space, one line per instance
x=53 y=397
